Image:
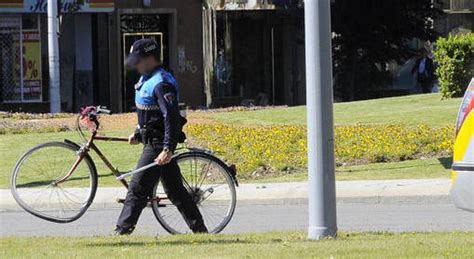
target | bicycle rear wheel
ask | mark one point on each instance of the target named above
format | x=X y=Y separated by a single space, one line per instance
x=53 y=181
x=210 y=184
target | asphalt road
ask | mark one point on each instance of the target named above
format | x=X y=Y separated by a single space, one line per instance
x=256 y=216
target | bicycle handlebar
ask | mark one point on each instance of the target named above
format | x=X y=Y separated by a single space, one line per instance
x=103 y=109
x=95 y=110
x=91 y=113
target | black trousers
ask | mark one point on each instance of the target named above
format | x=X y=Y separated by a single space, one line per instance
x=141 y=189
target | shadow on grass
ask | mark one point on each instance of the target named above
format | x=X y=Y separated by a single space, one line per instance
x=444 y=161
x=48 y=182
x=156 y=241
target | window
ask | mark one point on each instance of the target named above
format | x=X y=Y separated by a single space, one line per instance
x=20 y=58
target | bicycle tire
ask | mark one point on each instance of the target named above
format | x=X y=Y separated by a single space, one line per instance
x=90 y=195
x=225 y=170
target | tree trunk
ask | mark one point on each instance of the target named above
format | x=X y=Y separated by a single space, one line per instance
x=352 y=77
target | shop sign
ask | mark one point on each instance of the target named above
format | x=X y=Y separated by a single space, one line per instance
x=41 y=6
x=32 y=76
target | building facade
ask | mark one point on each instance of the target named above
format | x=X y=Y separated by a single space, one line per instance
x=24 y=52
x=95 y=37
x=222 y=52
x=254 y=52
x=176 y=25
x=459 y=18
x=206 y=44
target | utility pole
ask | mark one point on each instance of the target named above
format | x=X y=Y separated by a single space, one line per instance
x=319 y=101
x=53 y=52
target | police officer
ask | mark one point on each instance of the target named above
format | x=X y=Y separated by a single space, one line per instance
x=159 y=129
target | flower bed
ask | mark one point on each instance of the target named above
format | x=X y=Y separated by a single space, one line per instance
x=285 y=147
x=266 y=150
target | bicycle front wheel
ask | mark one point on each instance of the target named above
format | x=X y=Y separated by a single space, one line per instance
x=209 y=182
x=55 y=182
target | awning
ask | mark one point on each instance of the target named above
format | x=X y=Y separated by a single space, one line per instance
x=40 y=6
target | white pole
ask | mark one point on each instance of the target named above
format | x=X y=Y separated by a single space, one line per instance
x=53 y=52
x=319 y=100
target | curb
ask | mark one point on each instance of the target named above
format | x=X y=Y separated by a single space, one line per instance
x=381 y=191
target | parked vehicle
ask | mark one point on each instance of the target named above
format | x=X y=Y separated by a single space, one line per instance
x=462 y=190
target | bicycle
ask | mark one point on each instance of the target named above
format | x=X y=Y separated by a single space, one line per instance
x=57 y=181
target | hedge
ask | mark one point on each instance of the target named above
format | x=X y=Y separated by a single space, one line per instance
x=454 y=57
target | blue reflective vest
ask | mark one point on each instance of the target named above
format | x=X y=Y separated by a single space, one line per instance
x=145 y=88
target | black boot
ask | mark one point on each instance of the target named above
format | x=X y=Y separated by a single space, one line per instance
x=119 y=231
x=199 y=227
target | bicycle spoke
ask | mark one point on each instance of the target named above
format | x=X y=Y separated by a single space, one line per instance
x=205 y=174
x=195 y=172
x=38 y=196
x=68 y=194
x=186 y=184
x=212 y=183
x=42 y=166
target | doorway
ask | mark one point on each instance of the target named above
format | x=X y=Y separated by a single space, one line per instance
x=135 y=27
x=252 y=60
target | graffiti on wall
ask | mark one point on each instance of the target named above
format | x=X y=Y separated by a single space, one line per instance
x=185 y=65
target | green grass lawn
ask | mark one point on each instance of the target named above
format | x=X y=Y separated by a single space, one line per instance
x=410 y=110
x=263 y=245
x=121 y=154
x=414 y=169
x=125 y=157
x=426 y=109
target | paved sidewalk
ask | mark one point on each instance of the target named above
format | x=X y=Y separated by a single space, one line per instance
x=376 y=191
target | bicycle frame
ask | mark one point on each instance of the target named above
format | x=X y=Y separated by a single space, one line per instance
x=202 y=174
x=104 y=159
x=92 y=113
x=84 y=150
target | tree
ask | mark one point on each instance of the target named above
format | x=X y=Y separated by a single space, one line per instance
x=369 y=34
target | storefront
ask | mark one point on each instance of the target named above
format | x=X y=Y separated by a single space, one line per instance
x=20 y=50
x=206 y=44
x=24 y=53
x=254 y=52
x=177 y=27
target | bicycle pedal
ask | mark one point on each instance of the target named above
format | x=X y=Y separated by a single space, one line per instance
x=119 y=200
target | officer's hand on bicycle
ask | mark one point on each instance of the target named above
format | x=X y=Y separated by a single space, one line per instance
x=132 y=139
x=164 y=157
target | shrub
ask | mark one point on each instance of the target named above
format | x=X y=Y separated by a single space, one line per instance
x=25 y=127
x=454 y=56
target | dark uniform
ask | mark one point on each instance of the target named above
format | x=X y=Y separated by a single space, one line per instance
x=159 y=127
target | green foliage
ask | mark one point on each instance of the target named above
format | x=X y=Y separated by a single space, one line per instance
x=369 y=34
x=455 y=59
